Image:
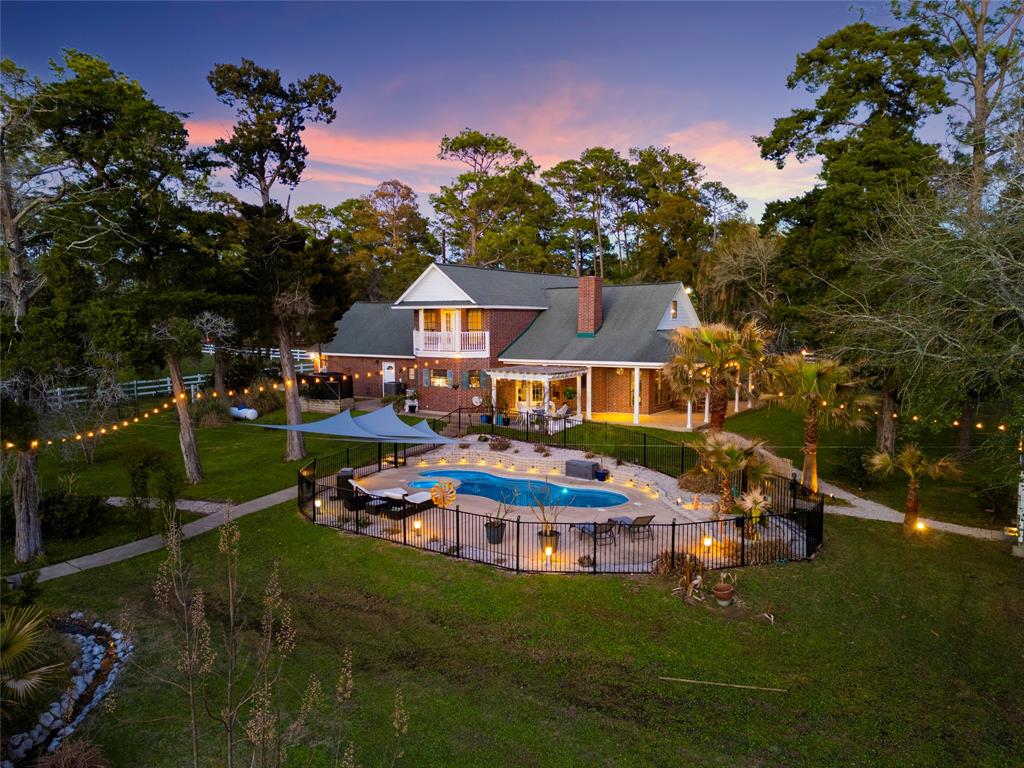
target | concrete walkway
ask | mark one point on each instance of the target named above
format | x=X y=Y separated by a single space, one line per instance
x=871 y=510
x=153 y=543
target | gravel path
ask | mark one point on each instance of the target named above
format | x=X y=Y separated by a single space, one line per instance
x=871 y=510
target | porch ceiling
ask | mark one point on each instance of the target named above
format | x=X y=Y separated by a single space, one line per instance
x=536 y=372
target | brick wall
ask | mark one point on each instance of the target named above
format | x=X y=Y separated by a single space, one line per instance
x=504 y=326
x=612 y=391
x=365 y=372
x=589 y=309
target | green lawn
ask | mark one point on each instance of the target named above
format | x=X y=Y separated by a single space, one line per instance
x=118 y=528
x=952 y=501
x=240 y=462
x=892 y=652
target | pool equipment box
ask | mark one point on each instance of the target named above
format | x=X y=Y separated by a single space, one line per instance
x=581 y=468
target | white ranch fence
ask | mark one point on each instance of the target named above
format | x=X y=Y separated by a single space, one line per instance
x=143 y=388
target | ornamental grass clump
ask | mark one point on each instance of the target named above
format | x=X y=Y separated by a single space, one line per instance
x=210 y=412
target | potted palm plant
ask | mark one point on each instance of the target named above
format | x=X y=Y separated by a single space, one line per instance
x=495 y=525
x=912 y=462
x=545 y=507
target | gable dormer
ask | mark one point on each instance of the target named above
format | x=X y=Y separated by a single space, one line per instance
x=680 y=312
x=433 y=288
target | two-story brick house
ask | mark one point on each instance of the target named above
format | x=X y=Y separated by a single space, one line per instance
x=462 y=336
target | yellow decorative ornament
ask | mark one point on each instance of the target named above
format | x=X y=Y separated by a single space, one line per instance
x=443 y=493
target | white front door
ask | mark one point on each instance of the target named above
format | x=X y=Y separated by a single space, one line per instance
x=450 y=329
x=387 y=372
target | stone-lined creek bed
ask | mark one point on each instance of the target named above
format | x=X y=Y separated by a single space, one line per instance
x=103 y=651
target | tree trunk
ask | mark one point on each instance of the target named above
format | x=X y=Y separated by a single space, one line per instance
x=719 y=405
x=885 y=434
x=725 y=492
x=810 y=472
x=965 y=432
x=28 y=534
x=16 y=258
x=295 y=447
x=979 y=125
x=186 y=430
x=912 y=507
x=219 y=370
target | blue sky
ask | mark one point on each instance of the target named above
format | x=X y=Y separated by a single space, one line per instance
x=554 y=77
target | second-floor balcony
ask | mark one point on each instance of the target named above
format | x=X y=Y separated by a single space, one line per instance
x=465 y=343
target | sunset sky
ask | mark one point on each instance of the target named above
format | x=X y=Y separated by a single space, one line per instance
x=555 y=78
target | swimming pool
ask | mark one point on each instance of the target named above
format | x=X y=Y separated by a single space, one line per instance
x=516 y=491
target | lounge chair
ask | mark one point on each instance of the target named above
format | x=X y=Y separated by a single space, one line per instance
x=604 y=533
x=396 y=494
x=420 y=500
x=640 y=528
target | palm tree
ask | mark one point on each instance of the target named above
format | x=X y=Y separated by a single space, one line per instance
x=723 y=459
x=21 y=639
x=708 y=362
x=911 y=461
x=823 y=391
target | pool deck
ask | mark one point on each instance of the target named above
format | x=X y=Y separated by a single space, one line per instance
x=640 y=502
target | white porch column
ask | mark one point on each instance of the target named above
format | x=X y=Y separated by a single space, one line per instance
x=494 y=393
x=689 y=415
x=579 y=393
x=547 y=394
x=707 y=407
x=636 y=395
x=736 y=400
x=750 y=390
x=590 y=390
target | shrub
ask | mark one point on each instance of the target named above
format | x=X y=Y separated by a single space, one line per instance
x=210 y=412
x=500 y=444
x=268 y=400
x=850 y=466
x=242 y=370
x=695 y=481
x=682 y=564
x=142 y=461
x=75 y=754
x=67 y=516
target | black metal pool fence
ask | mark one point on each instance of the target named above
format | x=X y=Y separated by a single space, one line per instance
x=793 y=530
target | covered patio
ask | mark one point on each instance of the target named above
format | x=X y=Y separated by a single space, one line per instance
x=540 y=389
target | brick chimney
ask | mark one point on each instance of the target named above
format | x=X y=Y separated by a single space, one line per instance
x=588 y=305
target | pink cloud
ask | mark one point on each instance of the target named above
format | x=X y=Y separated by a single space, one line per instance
x=731 y=157
x=571 y=115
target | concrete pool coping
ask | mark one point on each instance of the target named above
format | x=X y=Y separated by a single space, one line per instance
x=657 y=501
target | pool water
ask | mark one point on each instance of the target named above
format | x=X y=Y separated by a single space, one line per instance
x=521 y=492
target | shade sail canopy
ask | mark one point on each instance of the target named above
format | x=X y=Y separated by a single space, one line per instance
x=380 y=426
x=423 y=427
x=385 y=422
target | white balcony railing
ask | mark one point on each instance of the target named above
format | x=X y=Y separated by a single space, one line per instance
x=466 y=342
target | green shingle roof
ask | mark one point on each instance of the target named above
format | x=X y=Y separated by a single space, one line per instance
x=372 y=329
x=628 y=334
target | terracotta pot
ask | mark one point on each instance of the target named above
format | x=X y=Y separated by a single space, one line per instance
x=723 y=594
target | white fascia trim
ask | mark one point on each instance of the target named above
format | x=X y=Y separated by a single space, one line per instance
x=587 y=363
x=369 y=354
x=423 y=275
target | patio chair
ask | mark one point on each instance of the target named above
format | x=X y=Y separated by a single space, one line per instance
x=640 y=528
x=420 y=500
x=604 y=533
x=523 y=413
x=387 y=493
